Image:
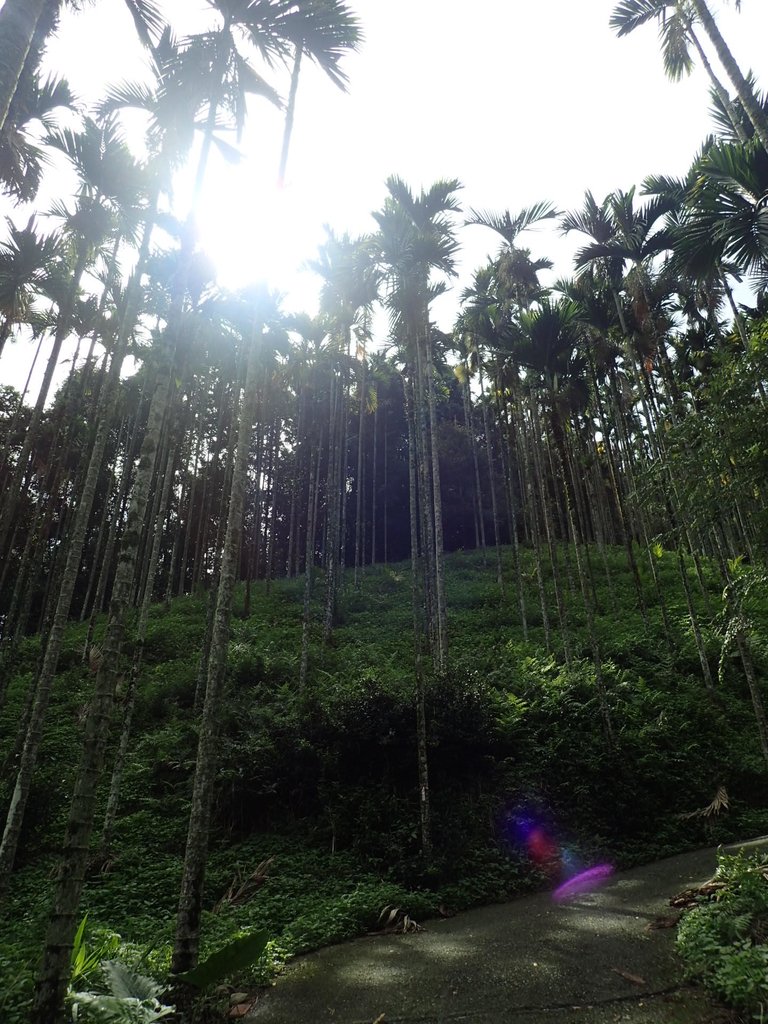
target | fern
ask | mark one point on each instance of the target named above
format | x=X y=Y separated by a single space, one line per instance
x=132 y=999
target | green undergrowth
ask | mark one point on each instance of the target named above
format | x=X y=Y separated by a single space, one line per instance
x=724 y=940
x=322 y=783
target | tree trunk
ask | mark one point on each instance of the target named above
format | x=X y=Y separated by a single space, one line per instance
x=491 y=479
x=418 y=631
x=63 y=605
x=437 y=514
x=359 y=549
x=290 y=111
x=537 y=444
x=190 y=900
x=18 y=21
x=52 y=979
x=309 y=560
x=110 y=814
x=20 y=480
x=740 y=84
x=720 y=89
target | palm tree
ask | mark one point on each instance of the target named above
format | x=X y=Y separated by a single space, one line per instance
x=345 y=27
x=619 y=234
x=727 y=206
x=550 y=344
x=262 y=312
x=743 y=90
x=26 y=24
x=599 y=325
x=676 y=19
x=741 y=129
x=19 y=20
x=511 y=227
x=90 y=226
x=22 y=160
x=26 y=260
x=350 y=286
x=51 y=983
x=622 y=233
x=516 y=277
x=321 y=30
x=415 y=238
x=718 y=228
x=478 y=326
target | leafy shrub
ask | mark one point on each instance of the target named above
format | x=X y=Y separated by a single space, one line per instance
x=129 y=998
x=172 y=636
x=723 y=941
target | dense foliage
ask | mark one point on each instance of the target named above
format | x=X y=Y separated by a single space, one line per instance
x=320 y=783
x=218 y=668
x=723 y=940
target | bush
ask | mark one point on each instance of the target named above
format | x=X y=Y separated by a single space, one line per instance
x=723 y=941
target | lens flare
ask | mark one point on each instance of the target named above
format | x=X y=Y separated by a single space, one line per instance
x=542 y=849
x=531 y=830
x=585 y=881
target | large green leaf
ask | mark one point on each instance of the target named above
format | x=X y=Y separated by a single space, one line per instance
x=126 y=984
x=235 y=956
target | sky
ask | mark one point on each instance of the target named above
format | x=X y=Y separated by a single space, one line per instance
x=520 y=101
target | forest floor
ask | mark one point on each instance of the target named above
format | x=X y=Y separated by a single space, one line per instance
x=602 y=956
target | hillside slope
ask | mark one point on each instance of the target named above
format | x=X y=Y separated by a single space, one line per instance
x=322 y=784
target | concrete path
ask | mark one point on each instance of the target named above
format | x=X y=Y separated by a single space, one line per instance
x=592 y=960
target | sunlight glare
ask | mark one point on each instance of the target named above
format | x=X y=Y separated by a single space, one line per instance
x=254 y=230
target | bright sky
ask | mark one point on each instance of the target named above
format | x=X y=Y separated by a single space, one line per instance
x=519 y=101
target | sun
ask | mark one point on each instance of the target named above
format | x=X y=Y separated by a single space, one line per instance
x=256 y=230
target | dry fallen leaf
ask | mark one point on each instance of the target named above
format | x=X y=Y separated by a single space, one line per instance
x=241 y=1009
x=634 y=978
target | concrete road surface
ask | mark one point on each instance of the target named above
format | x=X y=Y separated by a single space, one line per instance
x=591 y=960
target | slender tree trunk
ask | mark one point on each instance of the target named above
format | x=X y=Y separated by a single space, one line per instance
x=700 y=648
x=309 y=560
x=18 y=21
x=93 y=751
x=52 y=979
x=5 y=455
x=375 y=479
x=104 y=526
x=190 y=901
x=537 y=444
x=569 y=487
x=506 y=445
x=426 y=511
x=359 y=549
x=466 y=395
x=719 y=88
x=418 y=629
x=118 y=770
x=334 y=499
x=437 y=514
x=491 y=479
x=740 y=84
x=205 y=649
x=20 y=478
x=529 y=472
x=290 y=111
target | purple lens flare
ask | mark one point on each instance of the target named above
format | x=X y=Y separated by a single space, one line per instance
x=585 y=881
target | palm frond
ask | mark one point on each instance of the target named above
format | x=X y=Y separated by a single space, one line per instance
x=676 y=54
x=510 y=227
x=324 y=30
x=148 y=21
x=631 y=14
